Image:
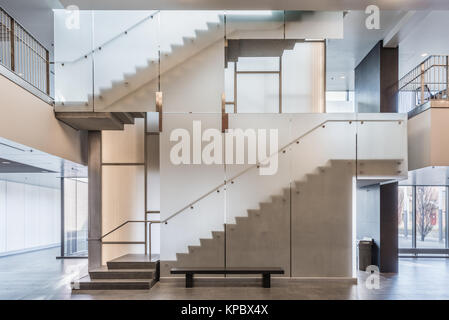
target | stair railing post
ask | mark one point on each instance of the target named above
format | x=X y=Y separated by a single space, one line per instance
x=12 y=43
x=47 y=71
x=447 y=77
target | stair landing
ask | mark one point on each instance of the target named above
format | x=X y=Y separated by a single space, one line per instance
x=128 y=272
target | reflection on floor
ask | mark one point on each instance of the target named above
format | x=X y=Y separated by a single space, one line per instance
x=38 y=275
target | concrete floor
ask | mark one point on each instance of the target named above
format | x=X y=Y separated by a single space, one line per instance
x=38 y=275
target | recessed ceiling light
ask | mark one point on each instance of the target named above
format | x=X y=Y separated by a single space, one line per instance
x=424 y=55
x=6 y=162
x=342 y=77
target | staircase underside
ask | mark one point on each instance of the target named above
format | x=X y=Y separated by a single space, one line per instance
x=98 y=120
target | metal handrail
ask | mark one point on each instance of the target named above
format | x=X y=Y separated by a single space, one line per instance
x=84 y=56
x=125 y=223
x=418 y=71
x=257 y=165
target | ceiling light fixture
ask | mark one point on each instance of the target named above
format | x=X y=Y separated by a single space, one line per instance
x=6 y=162
x=424 y=55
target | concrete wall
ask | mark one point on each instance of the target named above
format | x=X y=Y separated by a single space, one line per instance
x=27 y=120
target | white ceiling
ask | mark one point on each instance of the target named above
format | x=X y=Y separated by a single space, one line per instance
x=256 y=4
x=22 y=154
x=433 y=176
x=345 y=54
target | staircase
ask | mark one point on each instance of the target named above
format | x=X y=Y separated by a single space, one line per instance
x=128 y=79
x=88 y=120
x=129 y=272
x=282 y=231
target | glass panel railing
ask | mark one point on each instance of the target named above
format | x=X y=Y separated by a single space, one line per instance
x=254 y=24
x=192 y=193
x=191 y=60
x=74 y=62
x=285 y=207
x=382 y=146
x=258 y=192
x=128 y=41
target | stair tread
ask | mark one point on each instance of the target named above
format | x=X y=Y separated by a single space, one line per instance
x=88 y=279
x=135 y=258
x=105 y=270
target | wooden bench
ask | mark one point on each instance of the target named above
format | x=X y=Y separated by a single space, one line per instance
x=265 y=272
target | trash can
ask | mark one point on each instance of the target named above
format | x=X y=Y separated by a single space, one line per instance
x=365 y=253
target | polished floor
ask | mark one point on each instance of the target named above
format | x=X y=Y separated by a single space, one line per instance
x=38 y=275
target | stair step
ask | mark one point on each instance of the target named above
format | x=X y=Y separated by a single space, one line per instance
x=113 y=284
x=125 y=117
x=123 y=274
x=138 y=114
x=132 y=261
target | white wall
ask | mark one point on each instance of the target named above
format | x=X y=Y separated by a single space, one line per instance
x=29 y=217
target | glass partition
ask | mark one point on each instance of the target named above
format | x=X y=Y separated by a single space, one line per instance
x=75 y=216
x=128 y=41
x=74 y=60
x=405 y=217
x=289 y=172
x=423 y=219
x=430 y=217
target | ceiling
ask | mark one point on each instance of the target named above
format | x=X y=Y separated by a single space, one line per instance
x=343 y=55
x=9 y=166
x=256 y=4
x=20 y=163
x=430 y=176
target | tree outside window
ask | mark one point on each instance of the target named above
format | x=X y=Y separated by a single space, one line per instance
x=426 y=210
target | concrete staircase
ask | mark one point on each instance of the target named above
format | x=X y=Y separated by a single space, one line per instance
x=263 y=237
x=290 y=230
x=130 y=85
x=129 y=272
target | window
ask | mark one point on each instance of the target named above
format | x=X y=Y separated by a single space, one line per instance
x=430 y=217
x=422 y=219
x=405 y=217
x=340 y=101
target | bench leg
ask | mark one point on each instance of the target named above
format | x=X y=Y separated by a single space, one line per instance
x=189 y=280
x=266 y=280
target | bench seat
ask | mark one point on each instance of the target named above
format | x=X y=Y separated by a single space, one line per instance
x=265 y=272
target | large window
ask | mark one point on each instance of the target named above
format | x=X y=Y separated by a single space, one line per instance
x=75 y=217
x=423 y=219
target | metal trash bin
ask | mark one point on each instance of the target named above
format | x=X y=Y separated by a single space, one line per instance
x=365 y=253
